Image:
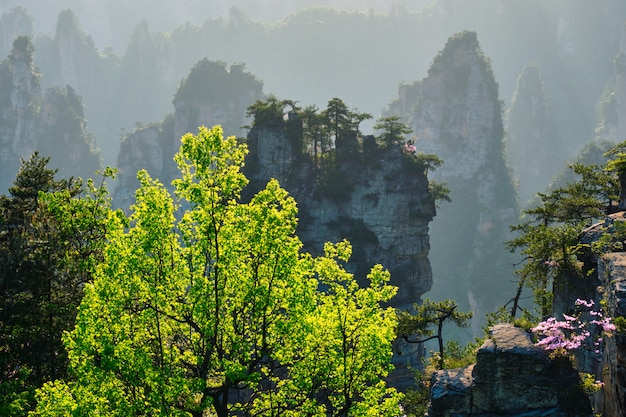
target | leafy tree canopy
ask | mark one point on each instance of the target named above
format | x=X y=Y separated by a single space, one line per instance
x=217 y=311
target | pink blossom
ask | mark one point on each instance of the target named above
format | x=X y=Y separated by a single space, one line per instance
x=410 y=148
x=572 y=332
x=585 y=303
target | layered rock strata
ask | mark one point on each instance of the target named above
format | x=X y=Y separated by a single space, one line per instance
x=606 y=285
x=511 y=377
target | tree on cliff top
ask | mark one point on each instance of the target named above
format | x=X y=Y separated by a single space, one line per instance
x=617 y=164
x=219 y=312
x=549 y=234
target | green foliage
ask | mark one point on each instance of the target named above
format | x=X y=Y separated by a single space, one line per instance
x=393 y=130
x=219 y=312
x=269 y=112
x=16 y=394
x=210 y=80
x=416 y=327
x=617 y=164
x=438 y=192
x=51 y=237
x=416 y=399
x=589 y=384
x=548 y=236
x=612 y=240
x=620 y=324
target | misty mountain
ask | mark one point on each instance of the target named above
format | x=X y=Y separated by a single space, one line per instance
x=532 y=140
x=319 y=53
x=455 y=113
x=52 y=123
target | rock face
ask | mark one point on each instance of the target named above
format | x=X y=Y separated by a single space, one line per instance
x=210 y=95
x=511 y=377
x=532 y=143
x=53 y=124
x=606 y=283
x=611 y=123
x=612 y=399
x=383 y=208
x=455 y=114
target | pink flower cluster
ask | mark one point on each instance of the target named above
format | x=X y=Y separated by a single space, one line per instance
x=570 y=334
x=555 y=334
x=409 y=148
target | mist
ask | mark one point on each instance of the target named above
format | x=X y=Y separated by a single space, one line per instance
x=125 y=61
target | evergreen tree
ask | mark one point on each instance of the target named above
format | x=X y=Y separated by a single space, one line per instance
x=548 y=236
x=46 y=256
x=393 y=130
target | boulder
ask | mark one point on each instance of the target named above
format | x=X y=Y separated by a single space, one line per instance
x=511 y=377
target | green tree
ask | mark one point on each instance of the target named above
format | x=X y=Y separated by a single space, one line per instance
x=416 y=327
x=617 y=164
x=548 y=235
x=46 y=256
x=314 y=133
x=343 y=124
x=393 y=130
x=219 y=312
x=337 y=117
x=269 y=112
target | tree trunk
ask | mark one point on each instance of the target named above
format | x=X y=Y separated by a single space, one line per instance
x=622 y=190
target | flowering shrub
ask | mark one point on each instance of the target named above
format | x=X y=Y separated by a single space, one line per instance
x=564 y=336
x=409 y=148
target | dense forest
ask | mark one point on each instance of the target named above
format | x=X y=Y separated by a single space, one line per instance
x=308 y=208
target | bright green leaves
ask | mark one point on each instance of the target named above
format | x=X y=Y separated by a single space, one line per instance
x=216 y=310
x=210 y=168
x=351 y=324
x=339 y=358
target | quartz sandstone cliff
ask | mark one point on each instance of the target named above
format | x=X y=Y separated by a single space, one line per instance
x=605 y=284
x=511 y=378
x=533 y=145
x=384 y=210
x=52 y=123
x=611 y=123
x=455 y=114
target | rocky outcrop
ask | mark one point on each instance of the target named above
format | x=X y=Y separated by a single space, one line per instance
x=612 y=399
x=455 y=114
x=377 y=202
x=511 y=377
x=53 y=124
x=606 y=284
x=210 y=95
